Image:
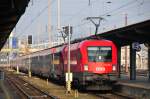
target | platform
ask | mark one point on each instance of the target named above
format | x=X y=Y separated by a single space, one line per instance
x=139 y=88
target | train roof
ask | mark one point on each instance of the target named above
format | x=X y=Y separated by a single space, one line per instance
x=58 y=48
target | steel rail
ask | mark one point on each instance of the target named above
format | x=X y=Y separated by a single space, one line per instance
x=19 y=87
x=114 y=96
x=53 y=97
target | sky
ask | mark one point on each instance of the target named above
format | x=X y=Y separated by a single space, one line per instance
x=74 y=12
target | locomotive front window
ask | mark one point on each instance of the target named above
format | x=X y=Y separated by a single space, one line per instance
x=99 y=54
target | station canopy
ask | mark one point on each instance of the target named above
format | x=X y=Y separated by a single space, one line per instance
x=10 y=13
x=139 y=32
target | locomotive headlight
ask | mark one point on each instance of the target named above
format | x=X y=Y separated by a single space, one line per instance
x=114 y=67
x=86 y=67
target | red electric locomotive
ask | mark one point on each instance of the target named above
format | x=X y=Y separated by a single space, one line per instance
x=91 y=62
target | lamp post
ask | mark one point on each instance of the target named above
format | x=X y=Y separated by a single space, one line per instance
x=59 y=19
x=69 y=52
x=49 y=22
x=58 y=16
x=126 y=48
x=68 y=74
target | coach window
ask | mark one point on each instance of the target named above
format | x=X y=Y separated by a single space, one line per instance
x=41 y=61
x=56 y=59
x=37 y=61
x=50 y=59
x=33 y=61
x=47 y=60
x=44 y=61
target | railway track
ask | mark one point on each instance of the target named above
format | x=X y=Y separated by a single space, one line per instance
x=114 y=95
x=28 y=90
x=32 y=92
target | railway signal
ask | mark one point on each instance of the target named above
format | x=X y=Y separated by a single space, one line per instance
x=65 y=32
x=29 y=39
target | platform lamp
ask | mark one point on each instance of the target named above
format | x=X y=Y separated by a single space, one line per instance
x=68 y=32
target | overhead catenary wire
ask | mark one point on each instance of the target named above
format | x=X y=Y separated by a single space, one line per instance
x=35 y=18
x=91 y=2
x=120 y=7
x=115 y=10
x=116 y=13
x=80 y=11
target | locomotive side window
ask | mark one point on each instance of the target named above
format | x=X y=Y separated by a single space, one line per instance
x=79 y=56
x=99 y=54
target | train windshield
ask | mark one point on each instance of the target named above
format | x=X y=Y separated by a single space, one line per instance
x=100 y=54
